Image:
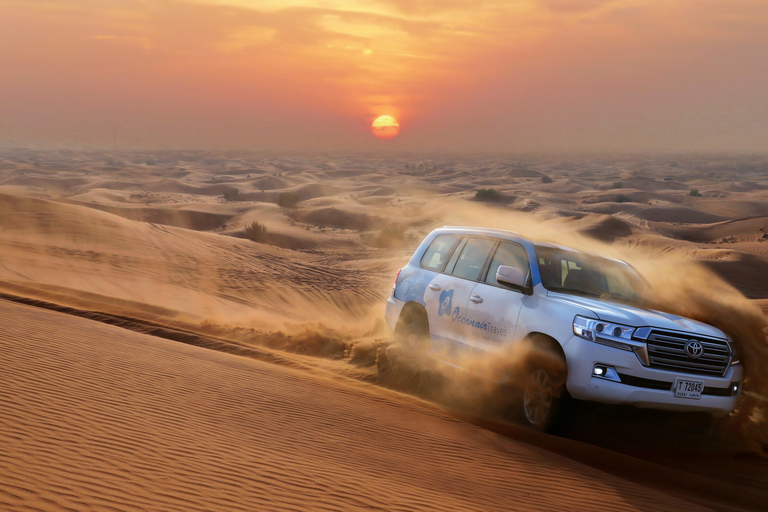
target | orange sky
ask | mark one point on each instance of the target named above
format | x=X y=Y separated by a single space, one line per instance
x=514 y=75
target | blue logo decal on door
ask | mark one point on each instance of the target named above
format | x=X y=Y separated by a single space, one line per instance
x=446 y=301
x=445 y=308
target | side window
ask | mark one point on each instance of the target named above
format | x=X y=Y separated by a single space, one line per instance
x=511 y=255
x=438 y=252
x=552 y=271
x=564 y=269
x=472 y=258
x=454 y=257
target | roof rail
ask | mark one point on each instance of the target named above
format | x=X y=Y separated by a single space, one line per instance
x=475 y=228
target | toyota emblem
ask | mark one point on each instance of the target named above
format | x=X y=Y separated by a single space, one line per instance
x=694 y=349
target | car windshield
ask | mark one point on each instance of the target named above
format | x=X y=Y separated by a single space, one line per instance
x=580 y=273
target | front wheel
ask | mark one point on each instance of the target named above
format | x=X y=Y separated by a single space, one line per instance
x=538 y=400
x=545 y=404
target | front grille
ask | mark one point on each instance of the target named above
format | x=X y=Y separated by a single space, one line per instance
x=666 y=351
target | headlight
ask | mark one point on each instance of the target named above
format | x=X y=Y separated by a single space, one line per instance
x=591 y=329
x=735 y=354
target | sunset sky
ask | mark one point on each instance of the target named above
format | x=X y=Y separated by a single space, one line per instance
x=527 y=75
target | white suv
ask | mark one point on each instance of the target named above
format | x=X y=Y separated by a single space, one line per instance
x=468 y=290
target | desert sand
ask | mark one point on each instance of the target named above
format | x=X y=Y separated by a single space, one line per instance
x=99 y=417
x=156 y=358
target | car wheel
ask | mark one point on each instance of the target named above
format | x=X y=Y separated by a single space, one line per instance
x=538 y=399
x=545 y=404
x=413 y=332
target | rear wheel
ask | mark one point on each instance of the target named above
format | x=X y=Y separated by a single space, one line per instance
x=413 y=331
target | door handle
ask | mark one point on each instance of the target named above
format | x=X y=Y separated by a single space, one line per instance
x=435 y=287
x=476 y=299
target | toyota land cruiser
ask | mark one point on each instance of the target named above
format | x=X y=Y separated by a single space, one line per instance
x=469 y=290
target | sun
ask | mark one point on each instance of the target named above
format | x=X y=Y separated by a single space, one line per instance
x=385 y=127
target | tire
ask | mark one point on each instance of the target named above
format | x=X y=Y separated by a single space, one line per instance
x=544 y=404
x=413 y=331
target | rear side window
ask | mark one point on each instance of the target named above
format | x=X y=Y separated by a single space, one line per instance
x=454 y=257
x=511 y=255
x=472 y=258
x=439 y=250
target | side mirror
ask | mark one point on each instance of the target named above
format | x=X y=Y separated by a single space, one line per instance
x=511 y=275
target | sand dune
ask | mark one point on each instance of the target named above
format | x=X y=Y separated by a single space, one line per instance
x=169 y=185
x=182 y=218
x=657 y=213
x=200 y=274
x=753 y=204
x=745 y=229
x=652 y=185
x=749 y=270
x=147 y=242
x=566 y=186
x=600 y=227
x=314 y=190
x=270 y=183
x=98 y=417
x=744 y=186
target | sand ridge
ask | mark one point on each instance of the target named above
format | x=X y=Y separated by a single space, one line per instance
x=95 y=416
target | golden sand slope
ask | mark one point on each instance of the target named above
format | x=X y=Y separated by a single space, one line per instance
x=175 y=272
x=95 y=417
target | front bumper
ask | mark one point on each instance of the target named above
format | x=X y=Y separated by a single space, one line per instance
x=642 y=386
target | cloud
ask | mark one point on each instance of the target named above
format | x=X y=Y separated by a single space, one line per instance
x=577 y=6
x=498 y=66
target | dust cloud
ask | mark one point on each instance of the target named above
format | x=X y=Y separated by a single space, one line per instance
x=678 y=285
x=688 y=289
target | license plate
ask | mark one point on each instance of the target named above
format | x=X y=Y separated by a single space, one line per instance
x=689 y=388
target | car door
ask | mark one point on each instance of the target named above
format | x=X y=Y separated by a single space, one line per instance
x=455 y=285
x=435 y=300
x=493 y=307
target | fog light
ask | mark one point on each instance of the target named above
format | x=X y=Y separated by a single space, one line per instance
x=602 y=371
x=734 y=389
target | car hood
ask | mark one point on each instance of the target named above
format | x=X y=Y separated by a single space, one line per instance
x=634 y=316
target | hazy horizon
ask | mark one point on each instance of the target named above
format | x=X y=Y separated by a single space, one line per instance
x=537 y=76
